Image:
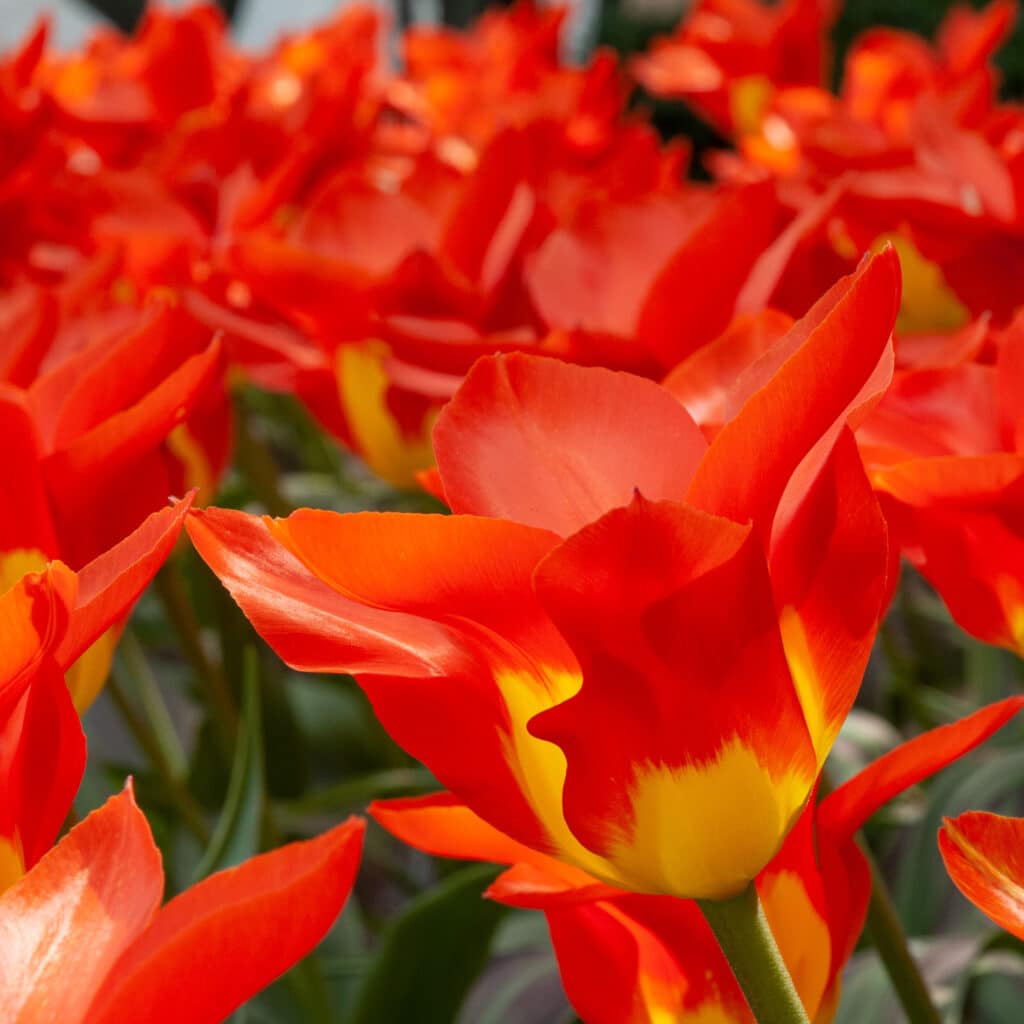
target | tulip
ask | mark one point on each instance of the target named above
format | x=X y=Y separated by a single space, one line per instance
x=47 y=620
x=946 y=454
x=642 y=959
x=593 y=619
x=86 y=940
x=100 y=435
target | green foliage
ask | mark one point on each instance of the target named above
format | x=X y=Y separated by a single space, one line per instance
x=237 y=836
x=431 y=954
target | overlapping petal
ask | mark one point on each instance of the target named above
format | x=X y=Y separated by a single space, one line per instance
x=656 y=954
x=85 y=938
x=48 y=620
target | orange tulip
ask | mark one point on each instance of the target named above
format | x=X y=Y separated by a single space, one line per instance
x=107 y=409
x=48 y=620
x=642 y=959
x=593 y=618
x=727 y=56
x=946 y=450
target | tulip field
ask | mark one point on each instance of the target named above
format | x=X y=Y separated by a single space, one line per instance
x=496 y=529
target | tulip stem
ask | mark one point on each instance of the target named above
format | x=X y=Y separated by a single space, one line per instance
x=258 y=465
x=742 y=931
x=191 y=814
x=153 y=706
x=177 y=606
x=890 y=940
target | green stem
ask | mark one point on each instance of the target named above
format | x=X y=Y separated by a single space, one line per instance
x=889 y=938
x=257 y=465
x=191 y=814
x=170 y=588
x=153 y=706
x=746 y=940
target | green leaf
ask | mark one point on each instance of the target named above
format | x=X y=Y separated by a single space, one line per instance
x=430 y=956
x=237 y=836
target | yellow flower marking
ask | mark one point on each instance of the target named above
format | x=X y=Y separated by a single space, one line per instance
x=85 y=678
x=704 y=831
x=748 y=100
x=539 y=765
x=928 y=304
x=805 y=680
x=802 y=936
x=18 y=563
x=363 y=387
x=696 y=831
x=189 y=452
x=12 y=863
x=1011 y=596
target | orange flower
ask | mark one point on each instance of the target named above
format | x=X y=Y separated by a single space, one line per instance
x=592 y=620
x=728 y=56
x=506 y=70
x=107 y=411
x=946 y=451
x=85 y=938
x=642 y=959
x=50 y=621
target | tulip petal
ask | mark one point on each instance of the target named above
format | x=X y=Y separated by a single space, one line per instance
x=703 y=381
x=805 y=399
x=223 y=940
x=63 y=926
x=42 y=758
x=436 y=617
x=829 y=558
x=436 y=567
x=109 y=585
x=541 y=442
x=678 y=315
x=846 y=809
x=29 y=619
x=959 y=521
x=1011 y=385
x=442 y=826
x=667 y=731
x=26 y=523
x=126 y=454
x=984 y=855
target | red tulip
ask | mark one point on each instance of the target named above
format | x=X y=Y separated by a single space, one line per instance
x=85 y=937
x=947 y=454
x=641 y=959
x=108 y=409
x=48 y=620
x=592 y=619
x=727 y=56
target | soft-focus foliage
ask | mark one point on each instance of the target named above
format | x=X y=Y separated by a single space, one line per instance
x=594 y=462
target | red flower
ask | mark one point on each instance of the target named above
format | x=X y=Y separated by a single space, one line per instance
x=727 y=56
x=591 y=621
x=107 y=410
x=947 y=455
x=640 y=959
x=48 y=621
x=85 y=938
